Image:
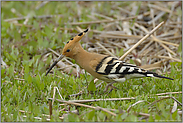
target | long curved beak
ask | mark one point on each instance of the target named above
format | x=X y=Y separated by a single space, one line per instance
x=58 y=59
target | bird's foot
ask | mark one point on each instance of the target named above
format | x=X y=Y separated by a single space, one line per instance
x=112 y=87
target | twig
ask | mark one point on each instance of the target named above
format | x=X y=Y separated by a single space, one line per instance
x=152 y=66
x=78 y=102
x=171 y=38
x=103 y=16
x=171 y=26
x=121 y=36
x=54 y=92
x=166 y=57
x=108 y=99
x=165 y=42
x=161 y=8
x=164 y=46
x=154 y=37
x=45 y=115
x=105 y=49
x=99 y=84
x=176 y=100
x=118 y=99
x=50 y=108
x=102 y=21
x=144 y=114
x=165 y=97
x=77 y=94
x=87 y=106
x=145 y=37
x=38 y=17
x=156 y=18
x=128 y=110
x=167 y=93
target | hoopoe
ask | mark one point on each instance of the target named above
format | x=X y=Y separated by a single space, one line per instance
x=103 y=67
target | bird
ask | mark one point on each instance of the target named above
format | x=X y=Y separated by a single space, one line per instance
x=103 y=67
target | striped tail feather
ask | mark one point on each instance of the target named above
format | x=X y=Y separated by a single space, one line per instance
x=152 y=74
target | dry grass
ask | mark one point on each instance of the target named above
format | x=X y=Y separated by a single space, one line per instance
x=122 y=32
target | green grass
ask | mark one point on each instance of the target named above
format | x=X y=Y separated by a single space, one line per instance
x=24 y=85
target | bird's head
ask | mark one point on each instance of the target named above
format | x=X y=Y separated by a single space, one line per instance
x=68 y=49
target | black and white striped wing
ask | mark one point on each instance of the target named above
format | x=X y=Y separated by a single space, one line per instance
x=116 y=70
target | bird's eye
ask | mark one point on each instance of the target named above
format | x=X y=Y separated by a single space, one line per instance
x=68 y=50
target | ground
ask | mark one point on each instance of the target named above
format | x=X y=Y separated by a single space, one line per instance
x=33 y=33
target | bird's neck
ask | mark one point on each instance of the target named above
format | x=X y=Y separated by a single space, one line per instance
x=79 y=54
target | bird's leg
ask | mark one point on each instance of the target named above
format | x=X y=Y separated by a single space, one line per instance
x=109 y=85
x=110 y=91
x=114 y=87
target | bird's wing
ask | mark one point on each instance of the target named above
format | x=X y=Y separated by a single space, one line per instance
x=112 y=68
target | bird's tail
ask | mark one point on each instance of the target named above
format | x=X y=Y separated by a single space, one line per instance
x=152 y=74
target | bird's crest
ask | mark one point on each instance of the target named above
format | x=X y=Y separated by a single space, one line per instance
x=77 y=37
x=71 y=43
